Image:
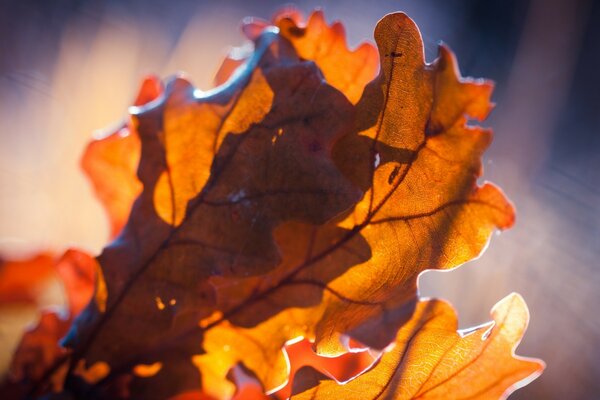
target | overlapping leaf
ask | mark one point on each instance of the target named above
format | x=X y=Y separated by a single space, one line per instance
x=222 y=170
x=423 y=210
x=111 y=160
x=347 y=70
x=431 y=360
x=39 y=348
x=293 y=200
x=21 y=280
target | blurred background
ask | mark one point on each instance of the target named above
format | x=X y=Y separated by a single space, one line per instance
x=68 y=68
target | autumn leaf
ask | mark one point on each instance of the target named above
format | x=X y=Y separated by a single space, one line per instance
x=110 y=162
x=39 y=348
x=347 y=70
x=432 y=360
x=448 y=225
x=342 y=369
x=206 y=157
x=422 y=208
x=302 y=197
x=293 y=177
x=21 y=280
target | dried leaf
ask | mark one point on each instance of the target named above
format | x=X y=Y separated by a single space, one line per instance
x=77 y=271
x=225 y=159
x=110 y=161
x=40 y=347
x=21 y=280
x=422 y=208
x=430 y=214
x=209 y=159
x=342 y=369
x=348 y=71
x=294 y=200
x=431 y=360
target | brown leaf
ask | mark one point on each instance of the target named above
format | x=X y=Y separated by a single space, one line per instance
x=220 y=171
x=39 y=348
x=110 y=162
x=431 y=360
x=21 y=280
x=349 y=71
x=77 y=271
x=423 y=209
x=447 y=223
x=343 y=368
x=290 y=201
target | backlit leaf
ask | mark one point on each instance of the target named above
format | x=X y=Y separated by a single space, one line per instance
x=431 y=360
x=300 y=198
x=111 y=160
x=39 y=348
x=219 y=175
x=422 y=209
x=21 y=280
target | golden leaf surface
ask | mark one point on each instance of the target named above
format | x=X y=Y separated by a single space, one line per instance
x=295 y=199
x=110 y=161
x=422 y=209
x=349 y=71
x=432 y=360
x=220 y=171
x=323 y=297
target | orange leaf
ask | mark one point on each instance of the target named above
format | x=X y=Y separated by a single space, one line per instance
x=20 y=281
x=431 y=360
x=422 y=209
x=295 y=199
x=343 y=368
x=39 y=348
x=111 y=161
x=220 y=170
x=349 y=71
x=77 y=271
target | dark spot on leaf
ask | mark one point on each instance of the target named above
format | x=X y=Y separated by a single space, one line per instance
x=296 y=31
x=393 y=175
x=433 y=129
x=394 y=54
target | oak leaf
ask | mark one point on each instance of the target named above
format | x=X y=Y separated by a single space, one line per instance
x=347 y=70
x=302 y=197
x=39 y=348
x=388 y=239
x=110 y=161
x=432 y=360
x=21 y=280
x=215 y=157
x=236 y=163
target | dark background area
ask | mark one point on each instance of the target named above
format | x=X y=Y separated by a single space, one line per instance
x=70 y=67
